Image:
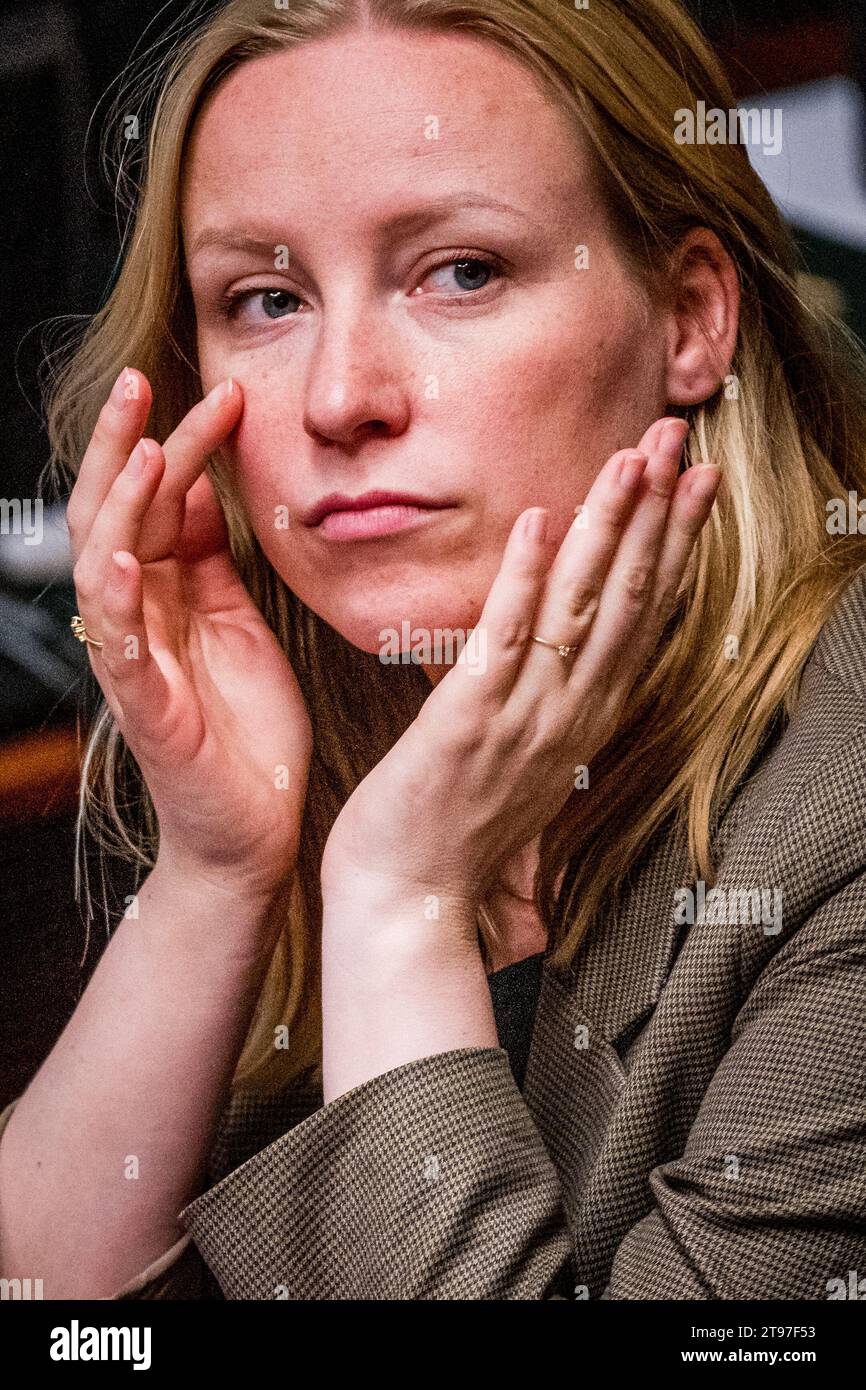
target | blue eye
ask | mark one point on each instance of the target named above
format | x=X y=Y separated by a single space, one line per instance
x=271 y=300
x=471 y=269
x=473 y=274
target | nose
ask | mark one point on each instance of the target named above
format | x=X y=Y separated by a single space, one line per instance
x=357 y=380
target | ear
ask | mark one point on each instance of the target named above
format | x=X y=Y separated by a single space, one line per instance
x=703 y=316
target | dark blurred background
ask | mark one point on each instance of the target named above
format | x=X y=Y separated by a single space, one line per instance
x=59 y=252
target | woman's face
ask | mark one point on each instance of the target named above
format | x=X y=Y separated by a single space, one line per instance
x=430 y=328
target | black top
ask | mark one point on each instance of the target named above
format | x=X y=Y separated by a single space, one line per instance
x=514 y=990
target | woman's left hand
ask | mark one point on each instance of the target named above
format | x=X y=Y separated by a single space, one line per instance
x=491 y=757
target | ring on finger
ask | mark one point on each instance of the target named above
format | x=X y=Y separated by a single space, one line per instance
x=561 y=647
x=78 y=627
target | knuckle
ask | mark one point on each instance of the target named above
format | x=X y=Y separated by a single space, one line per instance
x=660 y=488
x=513 y=736
x=513 y=637
x=82 y=578
x=465 y=740
x=547 y=732
x=73 y=515
x=636 y=581
x=582 y=602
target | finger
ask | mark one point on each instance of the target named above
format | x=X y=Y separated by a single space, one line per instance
x=116 y=432
x=630 y=581
x=498 y=644
x=692 y=503
x=577 y=576
x=205 y=530
x=136 y=680
x=187 y=453
x=492 y=656
x=118 y=523
x=578 y=573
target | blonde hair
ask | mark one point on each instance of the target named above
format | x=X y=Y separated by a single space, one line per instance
x=787 y=429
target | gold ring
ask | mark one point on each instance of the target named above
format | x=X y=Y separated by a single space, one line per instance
x=77 y=625
x=561 y=647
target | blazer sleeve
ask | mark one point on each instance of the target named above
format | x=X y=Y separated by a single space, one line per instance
x=768 y=1199
x=429 y=1181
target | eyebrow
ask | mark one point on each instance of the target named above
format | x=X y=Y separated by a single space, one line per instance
x=407 y=222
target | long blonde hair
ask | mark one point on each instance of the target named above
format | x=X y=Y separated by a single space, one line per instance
x=788 y=429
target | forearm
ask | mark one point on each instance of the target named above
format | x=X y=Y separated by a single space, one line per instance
x=111 y=1137
x=396 y=987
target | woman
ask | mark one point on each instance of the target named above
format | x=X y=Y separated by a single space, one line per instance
x=652 y=732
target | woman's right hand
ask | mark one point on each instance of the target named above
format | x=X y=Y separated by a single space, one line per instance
x=198 y=684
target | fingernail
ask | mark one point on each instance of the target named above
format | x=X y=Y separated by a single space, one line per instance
x=704 y=480
x=137 y=461
x=118 y=573
x=535 y=525
x=673 y=434
x=220 y=393
x=118 y=397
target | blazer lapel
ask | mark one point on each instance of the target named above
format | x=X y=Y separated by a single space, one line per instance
x=574 y=1072
x=626 y=955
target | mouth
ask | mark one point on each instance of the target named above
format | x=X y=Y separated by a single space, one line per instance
x=373 y=514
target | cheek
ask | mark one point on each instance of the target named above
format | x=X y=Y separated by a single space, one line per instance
x=544 y=433
x=260 y=453
x=569 y=398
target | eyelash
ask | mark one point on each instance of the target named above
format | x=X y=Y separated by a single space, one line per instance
x=229 y=303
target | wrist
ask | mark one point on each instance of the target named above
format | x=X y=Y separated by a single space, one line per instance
x=248 y=890
x=397 y=987
x=388 y=920
x=392 y=893
x=206 y=910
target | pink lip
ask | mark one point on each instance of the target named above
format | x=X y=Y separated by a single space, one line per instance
x=375 y=513
x=373 y=521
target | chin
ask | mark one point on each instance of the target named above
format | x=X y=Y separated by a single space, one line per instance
x=399 y=624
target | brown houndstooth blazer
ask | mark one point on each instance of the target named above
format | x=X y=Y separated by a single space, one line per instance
x=693 y=1118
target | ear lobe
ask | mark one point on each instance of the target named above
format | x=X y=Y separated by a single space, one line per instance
x=704 y=318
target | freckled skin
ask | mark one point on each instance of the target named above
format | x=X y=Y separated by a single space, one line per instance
x=539 y=375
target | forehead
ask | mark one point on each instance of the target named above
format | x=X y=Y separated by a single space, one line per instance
x=353 y=125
